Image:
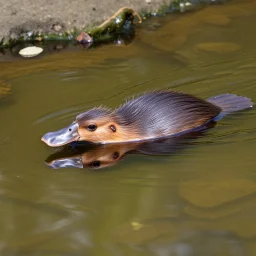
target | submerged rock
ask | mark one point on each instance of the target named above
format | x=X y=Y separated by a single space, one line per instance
x=222 y=47
x=212 y=193
x=226 y=210
x=217 y=19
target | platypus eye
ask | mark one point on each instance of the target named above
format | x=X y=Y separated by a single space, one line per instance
x=115 y=155
x=96 y=164
x=92 y=127
x=113 y=128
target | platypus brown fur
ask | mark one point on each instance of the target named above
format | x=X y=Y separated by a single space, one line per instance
x=150 y=116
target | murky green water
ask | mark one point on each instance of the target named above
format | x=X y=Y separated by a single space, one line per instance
x=199 y=200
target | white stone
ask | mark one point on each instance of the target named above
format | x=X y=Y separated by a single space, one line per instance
x=30 y=51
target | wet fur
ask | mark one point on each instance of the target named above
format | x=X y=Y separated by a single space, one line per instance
x=161 y=113
x=152 y=115
x=94 y=113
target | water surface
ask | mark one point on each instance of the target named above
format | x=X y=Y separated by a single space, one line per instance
x=197 y=201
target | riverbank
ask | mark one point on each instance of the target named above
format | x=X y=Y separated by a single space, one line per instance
x=61 y=16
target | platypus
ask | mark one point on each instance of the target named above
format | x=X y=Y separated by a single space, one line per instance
x=150 y=116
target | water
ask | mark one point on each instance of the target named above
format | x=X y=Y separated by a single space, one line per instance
x=199 y=200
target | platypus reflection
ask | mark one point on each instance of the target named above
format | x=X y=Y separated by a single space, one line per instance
x=96 y=156
x=153 y=115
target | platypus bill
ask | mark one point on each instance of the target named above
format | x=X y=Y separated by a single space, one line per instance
x=150 y=116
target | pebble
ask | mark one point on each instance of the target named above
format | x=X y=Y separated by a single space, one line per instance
x=84 y=38
x=57 y=27
x=30 y=51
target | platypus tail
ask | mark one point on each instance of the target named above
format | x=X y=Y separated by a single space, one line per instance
x=230 y=103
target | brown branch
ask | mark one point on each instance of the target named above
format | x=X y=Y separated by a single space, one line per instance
x=117 y=13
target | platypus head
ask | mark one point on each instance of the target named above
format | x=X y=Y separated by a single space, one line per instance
x=97 y=125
